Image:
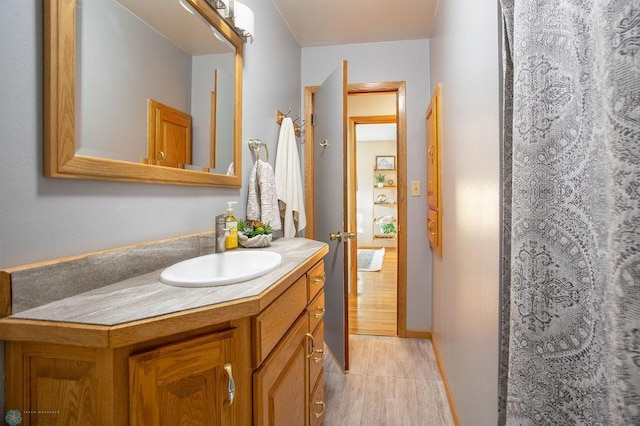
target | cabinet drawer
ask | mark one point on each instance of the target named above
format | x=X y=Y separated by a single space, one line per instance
x=316 y=403
x=315 y=280
x=315 y=310
x=316 y=360
x=274 y=321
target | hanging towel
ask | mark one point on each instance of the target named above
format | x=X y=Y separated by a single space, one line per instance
x=289 y=181
x=262 y=203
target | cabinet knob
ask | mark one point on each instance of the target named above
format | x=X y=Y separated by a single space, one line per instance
x=321 y=412
x=320 y=279
x=320 y=312
x=231 y=386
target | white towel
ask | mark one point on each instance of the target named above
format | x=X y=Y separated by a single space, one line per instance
x=289 y=181
x=262 y=203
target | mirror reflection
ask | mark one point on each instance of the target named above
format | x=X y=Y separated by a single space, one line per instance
x=154 y=85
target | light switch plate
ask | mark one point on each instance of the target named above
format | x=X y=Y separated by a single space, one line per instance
x=415 y=188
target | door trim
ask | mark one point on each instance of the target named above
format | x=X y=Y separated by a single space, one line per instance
x=398 y=87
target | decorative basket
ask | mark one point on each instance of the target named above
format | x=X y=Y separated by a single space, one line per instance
x=254 y=242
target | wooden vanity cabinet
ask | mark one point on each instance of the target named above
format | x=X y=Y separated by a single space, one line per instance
x=286 y=382
x=140 y=374
x=170 y=381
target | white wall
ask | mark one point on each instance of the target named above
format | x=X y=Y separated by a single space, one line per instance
x=43 y=218
x=465 y=59
x=394 y=61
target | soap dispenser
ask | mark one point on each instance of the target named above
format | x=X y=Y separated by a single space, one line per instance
x=232 y=227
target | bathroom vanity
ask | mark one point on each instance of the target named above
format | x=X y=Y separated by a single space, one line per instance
x=87 y=350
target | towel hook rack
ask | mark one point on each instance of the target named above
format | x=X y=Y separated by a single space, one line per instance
x=255 y=145
x=296 y=127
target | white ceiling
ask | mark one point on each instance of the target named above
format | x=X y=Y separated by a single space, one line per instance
x=331 y=22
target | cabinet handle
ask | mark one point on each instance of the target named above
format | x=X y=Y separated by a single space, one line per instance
x=320 y=279
x=432 y=228
x=321 y=404
x=231 y=386
x=320 y=312
x=313 y=345
x=318 y=358
x=430 y=152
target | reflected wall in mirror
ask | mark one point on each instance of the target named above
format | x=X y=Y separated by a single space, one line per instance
x=107 y=60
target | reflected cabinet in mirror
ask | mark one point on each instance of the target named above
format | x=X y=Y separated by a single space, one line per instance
x=142 y=91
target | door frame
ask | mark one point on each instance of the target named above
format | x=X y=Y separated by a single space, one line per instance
x=399 y=88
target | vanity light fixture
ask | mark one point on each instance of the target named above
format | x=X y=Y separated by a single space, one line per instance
x=237 y=14
x=244 y=21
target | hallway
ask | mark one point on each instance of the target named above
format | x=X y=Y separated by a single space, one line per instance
x=375 y=310
x=392 y=382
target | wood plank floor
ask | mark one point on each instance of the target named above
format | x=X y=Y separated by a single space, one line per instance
x=374 y=309
x=392 y=382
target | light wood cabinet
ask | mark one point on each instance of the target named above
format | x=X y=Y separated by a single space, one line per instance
x=285 y=384
x=434 y=172
x=190 y=382
x=271 y=356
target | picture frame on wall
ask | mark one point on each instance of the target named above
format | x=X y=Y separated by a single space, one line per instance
x=385 y=162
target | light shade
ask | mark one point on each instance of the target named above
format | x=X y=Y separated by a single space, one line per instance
x=244 y=20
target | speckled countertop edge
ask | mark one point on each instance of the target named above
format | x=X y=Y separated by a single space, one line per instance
x=144 y=296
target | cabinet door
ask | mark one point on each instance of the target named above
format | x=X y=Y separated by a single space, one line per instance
x=434 y=230
x=280 y=392
x=316 y=403
x=185 y=383
x=433 y=151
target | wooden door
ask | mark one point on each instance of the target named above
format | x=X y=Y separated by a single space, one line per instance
x=184 y=383
x=169 y=134
x=331 y=203
x=280 y=385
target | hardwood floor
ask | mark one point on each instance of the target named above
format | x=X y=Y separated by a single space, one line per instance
x=392 y=382
x=374 y=309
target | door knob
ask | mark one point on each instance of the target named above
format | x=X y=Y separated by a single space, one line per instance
x=335 y=236
x=349 y=235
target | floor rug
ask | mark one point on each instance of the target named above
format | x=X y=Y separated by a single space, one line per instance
x=370 y=260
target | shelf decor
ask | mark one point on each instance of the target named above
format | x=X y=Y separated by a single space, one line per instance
x=385 y=162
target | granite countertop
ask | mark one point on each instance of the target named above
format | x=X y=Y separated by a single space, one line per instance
x=144 y=296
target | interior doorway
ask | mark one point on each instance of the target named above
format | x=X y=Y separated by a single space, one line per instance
x=373 y=295
x=398 y=91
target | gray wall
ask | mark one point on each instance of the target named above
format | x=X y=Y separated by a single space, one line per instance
x=394 y=61
x=43 y=218
x=464 y=59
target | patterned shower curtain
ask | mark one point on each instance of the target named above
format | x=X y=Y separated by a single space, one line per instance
x=570 y=319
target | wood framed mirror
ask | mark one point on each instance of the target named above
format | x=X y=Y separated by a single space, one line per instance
x=70 y=127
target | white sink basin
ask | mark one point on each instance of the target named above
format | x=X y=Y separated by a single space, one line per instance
x=221 y=268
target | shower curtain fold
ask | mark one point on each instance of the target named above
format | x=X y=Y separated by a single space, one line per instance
x=570 y=285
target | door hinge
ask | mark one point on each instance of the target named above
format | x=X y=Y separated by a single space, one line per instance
x=313 y=119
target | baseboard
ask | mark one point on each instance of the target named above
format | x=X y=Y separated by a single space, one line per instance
x=418 y=334
x=454 y=412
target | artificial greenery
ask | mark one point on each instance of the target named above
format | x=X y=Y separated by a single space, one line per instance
x=380 y=178
x=388 y=228
x=253 y=228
